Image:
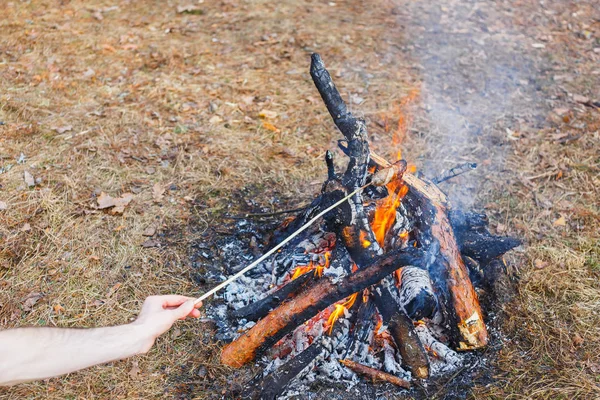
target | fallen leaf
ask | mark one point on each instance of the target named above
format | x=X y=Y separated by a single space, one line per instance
x=97 y=303
x=540 y=264
x=149 y=231
x=26 y=227
x=175 y=333
x=561 y=111
x=3 y=205
x=30 y=300
x=28 y=178
x=268 y=114
x=116 y=205
x=577 y=340
x=157 y=192
x=105 y=201
x=560 y=222
x=135 y=371
x=271 y=127
x=119 y=228
x=58 y=308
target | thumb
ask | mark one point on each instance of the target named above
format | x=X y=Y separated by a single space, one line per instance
x=183 y=310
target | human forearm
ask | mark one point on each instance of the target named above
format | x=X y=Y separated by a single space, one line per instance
x=37 y=353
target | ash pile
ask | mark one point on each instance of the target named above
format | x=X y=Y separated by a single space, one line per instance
x=383 y=288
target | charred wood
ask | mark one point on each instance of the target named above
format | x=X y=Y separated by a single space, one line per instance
x=485 y=247
x=402 y=331
x=306 y=304
x=416 y=293
x=459 y=302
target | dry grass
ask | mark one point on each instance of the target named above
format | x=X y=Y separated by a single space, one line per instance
x=154 y=96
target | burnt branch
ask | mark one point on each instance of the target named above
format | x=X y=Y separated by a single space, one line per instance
x=308 y=303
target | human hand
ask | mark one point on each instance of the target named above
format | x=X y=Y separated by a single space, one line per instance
x=159 y=313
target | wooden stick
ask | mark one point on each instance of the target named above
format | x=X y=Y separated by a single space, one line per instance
x=274 y=249
x=375 y=374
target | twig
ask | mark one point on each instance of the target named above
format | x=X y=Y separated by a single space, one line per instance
x=454 y=172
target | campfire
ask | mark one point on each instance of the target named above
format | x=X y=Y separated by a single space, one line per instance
x=381 y=288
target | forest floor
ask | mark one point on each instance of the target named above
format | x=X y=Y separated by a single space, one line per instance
x=205 y=109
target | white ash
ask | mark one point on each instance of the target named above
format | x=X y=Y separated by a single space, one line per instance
x=392 y=363
x=335 y=273
x=244 y=291
x=447 y=360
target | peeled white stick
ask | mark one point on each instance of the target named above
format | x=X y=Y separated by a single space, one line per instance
x=274 y=249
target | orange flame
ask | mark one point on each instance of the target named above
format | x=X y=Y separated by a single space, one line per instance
x=302 y=269
x=340 y=308
x=385 y=212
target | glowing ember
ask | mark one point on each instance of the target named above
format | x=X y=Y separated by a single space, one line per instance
x=363 y=239
x=340 y=308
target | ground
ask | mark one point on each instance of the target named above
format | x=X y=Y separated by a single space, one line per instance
x=202 y=110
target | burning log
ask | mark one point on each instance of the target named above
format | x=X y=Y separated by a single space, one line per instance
x=306 y=304
x=374 y=374
x=259 y=309
x=463 y=312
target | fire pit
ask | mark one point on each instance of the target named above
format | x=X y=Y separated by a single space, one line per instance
x=382 y=288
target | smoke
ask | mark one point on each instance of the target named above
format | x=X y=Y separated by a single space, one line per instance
x=476 y=79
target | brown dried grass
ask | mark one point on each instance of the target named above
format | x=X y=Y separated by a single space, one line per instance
x=148 y=102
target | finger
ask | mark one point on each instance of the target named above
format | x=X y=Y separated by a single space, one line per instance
x=195 y=314
x=183 y=310
x=199 y=304
x=173 y=300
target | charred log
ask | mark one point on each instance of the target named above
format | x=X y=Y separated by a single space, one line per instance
x=358 y=237
x=402 y=331
x=362 y=334
x=416 y=293
x=306 y=304
x=485 y=247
